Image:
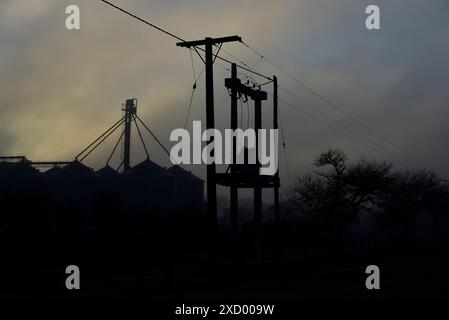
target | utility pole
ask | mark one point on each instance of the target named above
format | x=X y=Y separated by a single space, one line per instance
x=276 y=126
x=247 y=175
x=234 y=190
x=210 y=118
x=257 y=187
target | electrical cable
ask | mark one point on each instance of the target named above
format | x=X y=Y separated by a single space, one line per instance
x=338 y=109
x=284 y=145
x=349 y=129
x=177 y=37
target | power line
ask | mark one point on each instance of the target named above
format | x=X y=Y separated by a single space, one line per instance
x=367 y=143
x=361 y=142
x=374 y=146
x=193 y=65
x=237 y=59
x=349 y=129
x=241 y=112
x=193 y=89
x=179 y=38
x=190 y=106
x=334 y=106
x=251 y=70
x=142 y=20
x=195 y=83
x=284 y=146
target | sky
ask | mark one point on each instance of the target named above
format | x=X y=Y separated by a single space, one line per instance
x=60 y=89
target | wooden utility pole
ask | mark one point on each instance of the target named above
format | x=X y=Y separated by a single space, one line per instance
x=247 y=175
x=210 y=118
x=234 y=189
x=257 y=187
x=276 y=126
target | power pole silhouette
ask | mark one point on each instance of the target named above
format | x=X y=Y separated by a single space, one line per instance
x=234 y=194
x=247 y=175
x=210 y=117
x=236 y=87
x=276 y=126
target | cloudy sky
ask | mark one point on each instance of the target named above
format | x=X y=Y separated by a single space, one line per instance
x=59 y=89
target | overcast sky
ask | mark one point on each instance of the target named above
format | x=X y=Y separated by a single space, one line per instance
x=59 y=89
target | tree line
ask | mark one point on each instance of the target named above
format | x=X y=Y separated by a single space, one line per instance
x=339 y=191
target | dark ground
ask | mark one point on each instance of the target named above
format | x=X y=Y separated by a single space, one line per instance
x=175 y=259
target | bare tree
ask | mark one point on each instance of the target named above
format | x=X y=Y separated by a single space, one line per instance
x=336 y=194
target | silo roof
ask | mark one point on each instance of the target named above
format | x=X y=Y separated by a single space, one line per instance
x=180 y=172
x=76 y=168
x=19 y=169
x=108 y=172
x=148 y=168
x=52 y=171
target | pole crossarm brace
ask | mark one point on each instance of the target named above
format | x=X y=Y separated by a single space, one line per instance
x=213 y=41
x=236 y=84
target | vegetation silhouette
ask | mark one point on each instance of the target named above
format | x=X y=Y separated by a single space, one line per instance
x=335 y=221
x=338 y=192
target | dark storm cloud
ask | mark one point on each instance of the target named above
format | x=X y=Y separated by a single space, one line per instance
x=59 y=89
